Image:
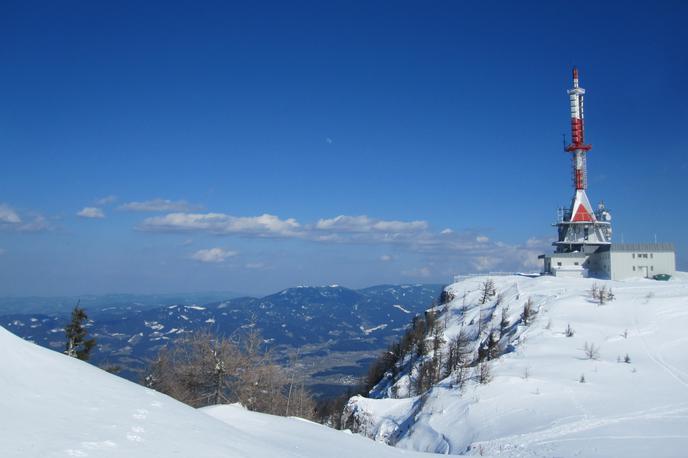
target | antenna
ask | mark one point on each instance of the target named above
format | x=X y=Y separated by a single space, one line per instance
x=564 y=139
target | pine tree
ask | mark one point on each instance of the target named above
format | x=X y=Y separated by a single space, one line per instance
x=78 y=346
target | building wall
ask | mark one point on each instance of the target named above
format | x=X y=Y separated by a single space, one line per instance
x=643 y=264
x=569 y=266
x=599 y=265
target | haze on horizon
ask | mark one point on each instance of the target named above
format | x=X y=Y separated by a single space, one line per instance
x=152 y=148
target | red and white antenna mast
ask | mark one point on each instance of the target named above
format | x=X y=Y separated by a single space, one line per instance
x=581 y=228
x=578 y=146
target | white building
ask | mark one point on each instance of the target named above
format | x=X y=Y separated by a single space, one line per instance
x=615 y=261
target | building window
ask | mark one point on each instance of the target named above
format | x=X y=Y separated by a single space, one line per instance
x=652 y=268
x=651 y=256
x=633 y=268
x=575 y=263
x=633 y=255
x=645 y=255
x=559 y=264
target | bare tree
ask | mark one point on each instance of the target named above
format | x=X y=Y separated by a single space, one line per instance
x=202 y=369
x=484 y=373
x=504 y=322
x=487 y=291
x=591 y=351
x=595 y=291
x=528 y=313
x=459 y=353
x=569 y=332
x=601 y=295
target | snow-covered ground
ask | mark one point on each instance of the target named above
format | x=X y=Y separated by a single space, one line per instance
x=536 y=404
x=55 y=406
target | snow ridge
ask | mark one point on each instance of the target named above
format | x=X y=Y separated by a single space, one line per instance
x=546 y=397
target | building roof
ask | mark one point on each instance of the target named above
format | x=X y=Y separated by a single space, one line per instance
x=635 y=247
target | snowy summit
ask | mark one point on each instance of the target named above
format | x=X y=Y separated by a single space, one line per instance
x=580 y=378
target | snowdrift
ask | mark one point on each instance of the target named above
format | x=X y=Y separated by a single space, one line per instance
x=55 y=406
x=546 y=397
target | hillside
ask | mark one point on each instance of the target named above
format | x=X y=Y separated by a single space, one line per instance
x=546 y=397
x=336 y=330
x=56 y=406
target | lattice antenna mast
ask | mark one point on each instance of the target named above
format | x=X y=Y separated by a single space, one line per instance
x=578 y=146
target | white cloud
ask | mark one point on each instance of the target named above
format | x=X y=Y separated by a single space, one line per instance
x=485 y=263
x=8 y=215
x=91 y=212
x=10 y=220
x=213 y=255
x=447 y=252
x=158 y=205
x=255 y=265
x=363 y=223
x=2 y=251
x=107 y=200
x=37 y=224
x=219 y=223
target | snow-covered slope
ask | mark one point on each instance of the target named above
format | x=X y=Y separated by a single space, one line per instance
x=55 y=406
x=298 y=437
x=536 y=404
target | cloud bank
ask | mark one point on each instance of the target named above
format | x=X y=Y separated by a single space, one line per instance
x=11 y=220
x=91 y=212
x=213 y=255
x=158 y=205
x=465 y=251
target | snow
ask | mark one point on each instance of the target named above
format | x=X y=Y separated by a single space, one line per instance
x=154 y=325
x=56 y=406
x=195 y=307
x=368 y=331
x=535 y=405
x=298 y=436
x=401 y=308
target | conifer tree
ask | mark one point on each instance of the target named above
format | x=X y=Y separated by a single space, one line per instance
x=78 y=346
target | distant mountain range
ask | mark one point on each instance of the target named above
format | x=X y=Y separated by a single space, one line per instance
x=336 y=330
x=104 y=302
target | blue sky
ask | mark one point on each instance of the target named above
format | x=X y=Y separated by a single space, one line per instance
x=174 y=146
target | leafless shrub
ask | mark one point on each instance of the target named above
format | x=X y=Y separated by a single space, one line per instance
x=528 y=313
x=484 y=373
x=601 y=295
x=203 y=369
x=569 y=332
x=591 y=351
